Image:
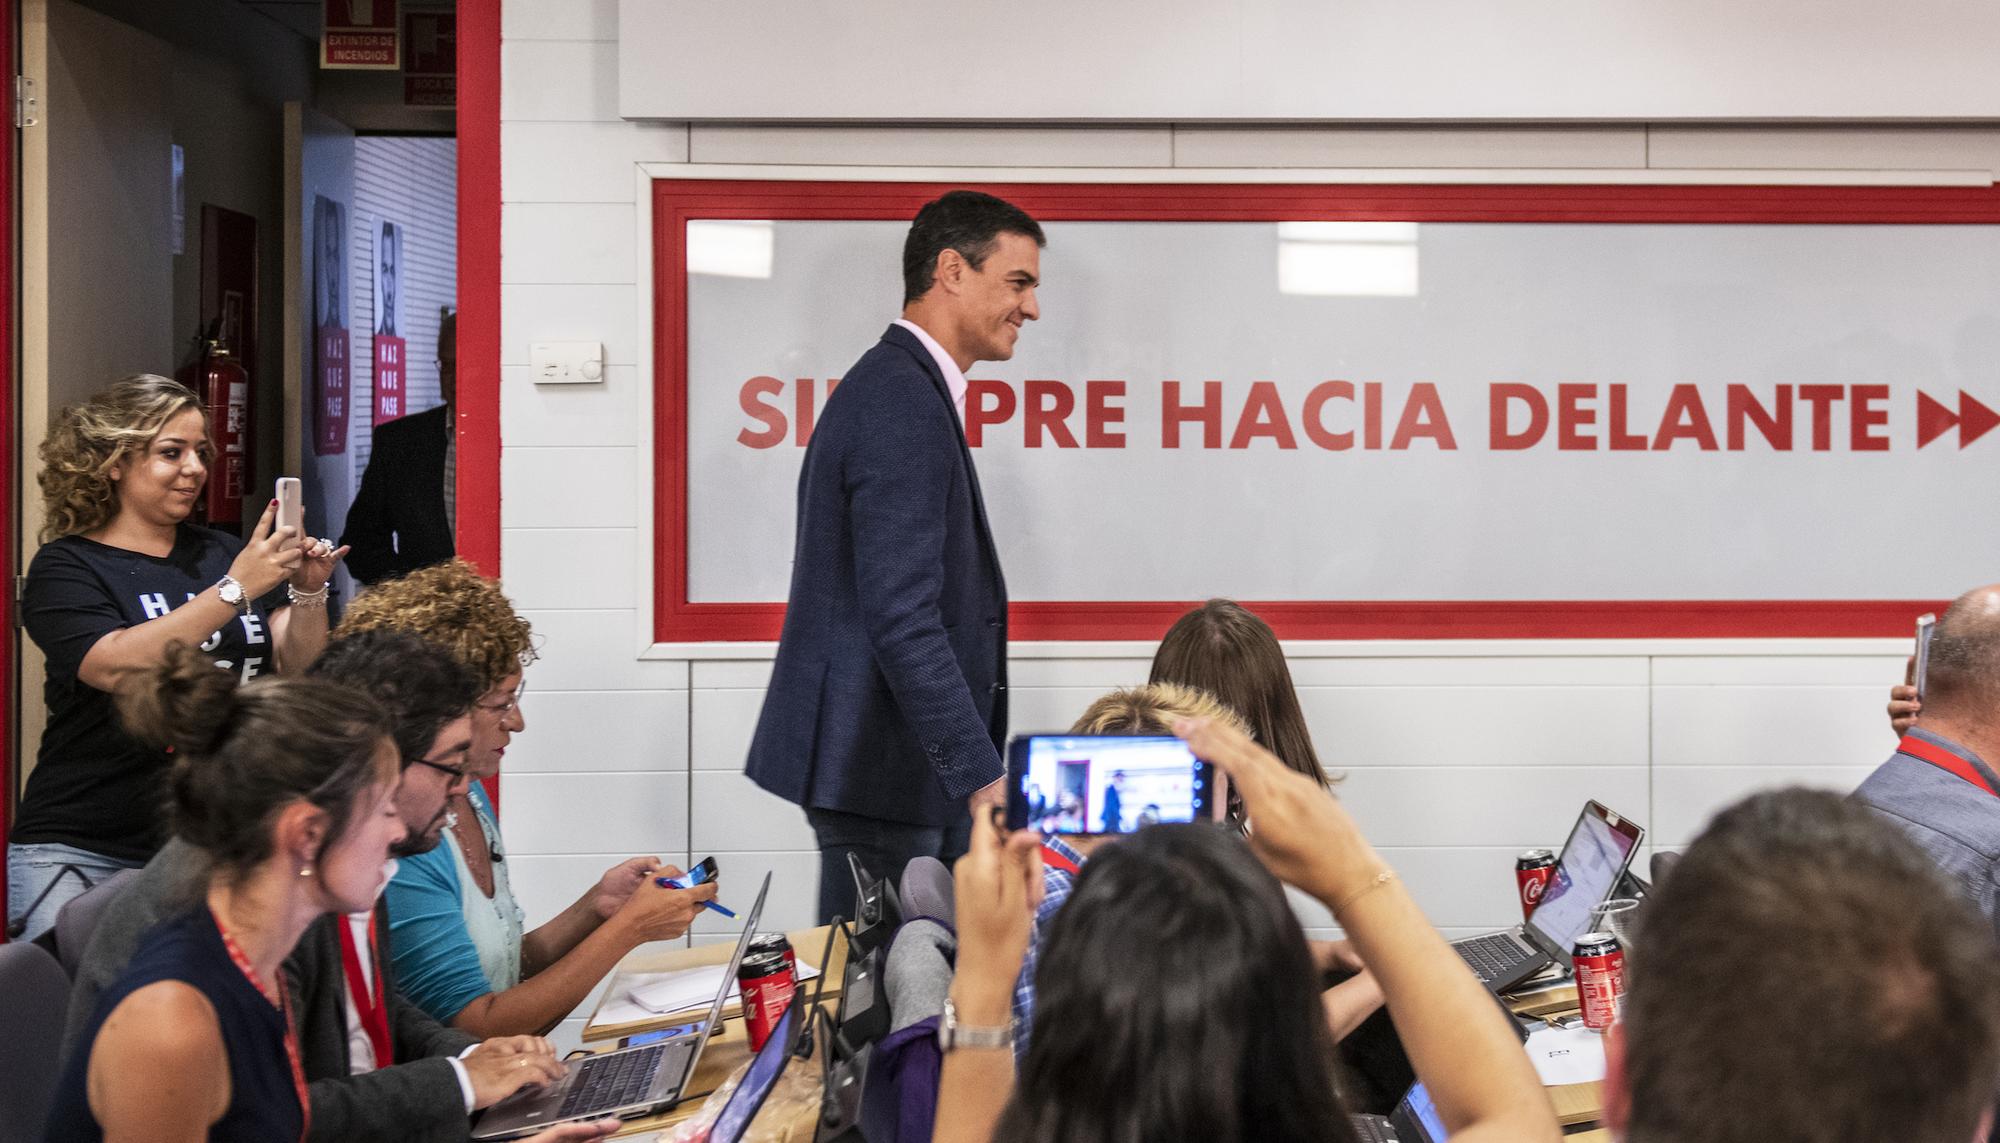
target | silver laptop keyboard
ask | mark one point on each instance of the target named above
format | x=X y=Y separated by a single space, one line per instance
x=1493 y=956
x=615 y=1080
x=1373 y=1129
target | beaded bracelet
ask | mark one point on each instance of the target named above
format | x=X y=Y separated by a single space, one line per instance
x=306 y=598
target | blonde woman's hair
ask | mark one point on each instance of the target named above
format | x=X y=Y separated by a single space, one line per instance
x=452 y=606
x=87 y=441
x=1152 y=709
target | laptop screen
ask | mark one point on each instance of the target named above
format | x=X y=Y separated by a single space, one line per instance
x=757 y=1083
x=1425 y=1114
x=1597 y=852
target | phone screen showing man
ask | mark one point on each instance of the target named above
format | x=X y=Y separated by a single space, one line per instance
x=1106 y=784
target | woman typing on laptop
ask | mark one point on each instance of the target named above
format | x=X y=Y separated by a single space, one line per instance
x=1177 y=995
x=288 y=787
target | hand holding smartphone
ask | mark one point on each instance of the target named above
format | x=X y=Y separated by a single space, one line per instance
x=1107 y=784
x=703 y=872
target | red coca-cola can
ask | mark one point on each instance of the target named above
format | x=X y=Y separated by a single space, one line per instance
x=774 y=943
x=767 y=984
x=1600 y=979
x=1532 y=871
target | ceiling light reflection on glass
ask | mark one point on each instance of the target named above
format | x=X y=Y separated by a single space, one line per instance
x=1348 y=259
x=731 y=248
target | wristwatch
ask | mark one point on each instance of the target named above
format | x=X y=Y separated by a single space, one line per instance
x=952 y=1034
x=232 y=594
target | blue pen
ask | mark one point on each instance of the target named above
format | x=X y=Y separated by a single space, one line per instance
x=671 y=883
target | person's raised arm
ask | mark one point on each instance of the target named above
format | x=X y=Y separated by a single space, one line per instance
x=299 y=631
x=550 y=942
x=541 y=1001
x=262 y=565
x=997 y=885
x=1457 y=1039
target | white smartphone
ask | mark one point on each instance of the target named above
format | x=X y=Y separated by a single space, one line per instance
x=291 y=508
x=1926 y=627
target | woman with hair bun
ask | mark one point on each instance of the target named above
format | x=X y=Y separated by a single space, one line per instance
x=287 y=786
x=123 y=573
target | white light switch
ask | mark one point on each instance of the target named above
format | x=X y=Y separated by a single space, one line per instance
x=566 y=362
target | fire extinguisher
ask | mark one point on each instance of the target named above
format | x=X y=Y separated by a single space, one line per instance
x=223 y=386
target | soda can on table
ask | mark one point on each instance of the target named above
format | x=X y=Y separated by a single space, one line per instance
x=774 y=943
x=1532 y=871
x=1600 y=979
x=767 y=984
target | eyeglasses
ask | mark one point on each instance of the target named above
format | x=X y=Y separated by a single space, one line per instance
x=455 y=773
x=508 y=705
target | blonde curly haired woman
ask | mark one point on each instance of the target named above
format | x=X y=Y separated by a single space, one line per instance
x=121 y=575
x=460 y=943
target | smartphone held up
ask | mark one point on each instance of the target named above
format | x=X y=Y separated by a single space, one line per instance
x=1107 y=784
x=291 y=509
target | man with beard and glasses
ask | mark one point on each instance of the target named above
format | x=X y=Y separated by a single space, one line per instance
x=378 y=1066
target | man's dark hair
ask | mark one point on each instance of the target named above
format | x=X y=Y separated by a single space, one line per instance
x=421 y=686
x=1805 y=973
x=966 y=221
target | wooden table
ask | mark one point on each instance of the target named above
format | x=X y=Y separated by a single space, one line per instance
x=729 y=1047
x=1575 y=1103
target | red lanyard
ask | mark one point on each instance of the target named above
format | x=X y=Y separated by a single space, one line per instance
x=1944 y=760
x=374 y=1013
x=284 y=1007
x=1051 y=857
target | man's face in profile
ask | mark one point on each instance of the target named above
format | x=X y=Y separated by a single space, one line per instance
x=428 y=785
x=995 y=300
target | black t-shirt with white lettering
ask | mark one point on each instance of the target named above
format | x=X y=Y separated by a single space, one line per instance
x=94 y=786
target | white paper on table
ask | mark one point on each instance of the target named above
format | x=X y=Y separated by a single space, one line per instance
x=690 y=988
x=1567 y=1055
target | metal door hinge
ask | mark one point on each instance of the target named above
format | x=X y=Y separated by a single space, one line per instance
x=25 y=104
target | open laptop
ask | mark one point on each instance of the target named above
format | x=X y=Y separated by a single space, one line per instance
x=1600 y=847
x=628 y=1083
x=765 y=1068
x=1415 y=1120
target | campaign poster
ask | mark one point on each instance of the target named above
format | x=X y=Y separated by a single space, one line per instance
x=329 y=326
x=359 y=35
x=391 y=350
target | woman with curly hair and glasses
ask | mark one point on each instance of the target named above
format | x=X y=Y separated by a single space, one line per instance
x=121 y=575
x=461 y=947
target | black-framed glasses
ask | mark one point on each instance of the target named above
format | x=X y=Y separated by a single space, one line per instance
x=508 y=705
x=455 y=773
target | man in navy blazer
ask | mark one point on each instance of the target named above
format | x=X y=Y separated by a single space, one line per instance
x=888 y=702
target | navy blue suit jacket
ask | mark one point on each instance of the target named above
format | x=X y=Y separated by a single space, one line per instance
x=889 y=695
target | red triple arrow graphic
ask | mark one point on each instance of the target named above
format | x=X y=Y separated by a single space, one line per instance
x=1934 y=419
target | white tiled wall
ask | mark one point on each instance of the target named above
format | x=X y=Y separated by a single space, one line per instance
x=1454 y=758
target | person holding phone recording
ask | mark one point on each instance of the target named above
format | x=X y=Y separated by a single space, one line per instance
x=1941 y=786
x=1185 y=984
x=1152 y=710
x=459 y=940
x=122 y=574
